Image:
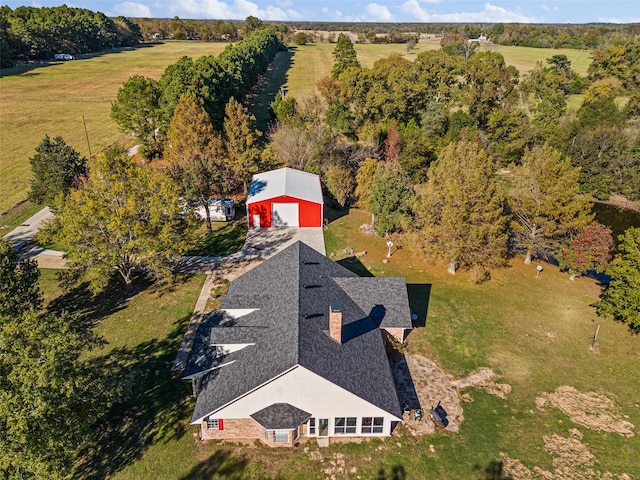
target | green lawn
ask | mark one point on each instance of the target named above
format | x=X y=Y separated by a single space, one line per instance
x=534 y=332
x=52 y=98
x=526 y=58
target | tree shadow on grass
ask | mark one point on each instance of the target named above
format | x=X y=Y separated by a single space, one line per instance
x=81 y=301
x=155 y=410
x=397 y=472
x=494 y=471
x=222 y=464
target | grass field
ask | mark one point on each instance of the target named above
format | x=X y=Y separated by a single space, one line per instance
x=534 y=332
x=52 y=98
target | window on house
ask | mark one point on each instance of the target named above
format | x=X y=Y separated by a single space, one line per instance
x=214 y=424
x=372 y=424
x=311 y=427
x=281 y=436
x=266 y=434
x=345 y=425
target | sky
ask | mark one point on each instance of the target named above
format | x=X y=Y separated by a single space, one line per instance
x=424 y=11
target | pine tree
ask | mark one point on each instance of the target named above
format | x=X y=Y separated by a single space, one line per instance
x=241 y=141
x=344 y=56
x=390 y=197
x=546 y=207
x=462 y=209
x=191 y=133
x=57 y=168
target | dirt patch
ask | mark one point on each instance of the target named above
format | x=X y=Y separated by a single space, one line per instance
x=590 y=410
x=484 y=378
x=421 y=384
x=572 y=461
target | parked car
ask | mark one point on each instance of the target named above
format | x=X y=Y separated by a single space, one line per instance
x=63 y=56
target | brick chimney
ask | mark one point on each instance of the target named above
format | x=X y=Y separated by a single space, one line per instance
x=335 y=322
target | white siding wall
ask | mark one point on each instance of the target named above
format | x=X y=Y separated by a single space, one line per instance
x=312 y=393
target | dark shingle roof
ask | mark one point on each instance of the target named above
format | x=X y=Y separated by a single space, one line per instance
x=280 y=416
x=293 y=291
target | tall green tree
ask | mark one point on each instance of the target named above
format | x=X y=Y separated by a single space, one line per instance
x=344 y=56
x=463 y=210
x=390 y=198
x=241 y=141
x=621 y=298
x=544 y=200
x=490 y=81
x=136 y=111
x=340 y=182
x=124 y=219
x=56 y=168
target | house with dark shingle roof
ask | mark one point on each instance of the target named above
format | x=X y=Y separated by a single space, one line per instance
x=298 y=350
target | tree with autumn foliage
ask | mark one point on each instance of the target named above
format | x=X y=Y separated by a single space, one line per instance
x=462 y=210
x=545 y=203
x=591 y=249
x=196 y=155
x=621 y=298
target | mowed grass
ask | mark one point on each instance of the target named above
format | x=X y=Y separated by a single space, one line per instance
x=52 y=98
x=526 y=58
x=534 y=332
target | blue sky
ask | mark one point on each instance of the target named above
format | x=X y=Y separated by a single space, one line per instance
x=527 y=11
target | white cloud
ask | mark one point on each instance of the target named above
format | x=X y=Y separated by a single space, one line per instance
x=491 y=13
x=378 y=13
x=619 y=20
x=130 y=9
x=547 y=8
x=236 y=9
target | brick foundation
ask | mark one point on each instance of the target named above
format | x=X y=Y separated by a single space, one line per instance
x=234 y=428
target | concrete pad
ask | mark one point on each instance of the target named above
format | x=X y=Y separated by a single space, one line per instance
x=270 y=241
x=29 y=229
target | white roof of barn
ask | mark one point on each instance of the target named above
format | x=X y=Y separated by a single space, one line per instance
x=285 y=181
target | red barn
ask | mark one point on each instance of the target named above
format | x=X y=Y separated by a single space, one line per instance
x=285 y=198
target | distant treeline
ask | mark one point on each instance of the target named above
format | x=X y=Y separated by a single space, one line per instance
x=183 y=29
x=587 y=36
x=30 y=33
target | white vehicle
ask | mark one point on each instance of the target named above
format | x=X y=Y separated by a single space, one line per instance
x=220 y=210
x=63 y=56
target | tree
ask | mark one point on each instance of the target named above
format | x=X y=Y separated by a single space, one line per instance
x=48 y=396
x=364 y=179
x=462 y=209
x=124 y=219
x=490 y=81
x=390 y=198
x=196 y=154
x=136 y=110
x=544 y=201
x=589 y=250
x=621 y=298
x=19 y=289
x=344 y=56
x=340 y=183
x=191 y=133
x=301 y=38
x=56 y=167
x=241 y=141
x=251 y=24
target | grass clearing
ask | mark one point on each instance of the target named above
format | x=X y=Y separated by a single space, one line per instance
x=526 y=58
x=534 y=332
x=51 y=98
x=226 y=238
